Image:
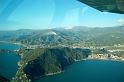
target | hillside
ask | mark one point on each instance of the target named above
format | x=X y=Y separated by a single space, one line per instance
x=67 y=37
x=46 y=61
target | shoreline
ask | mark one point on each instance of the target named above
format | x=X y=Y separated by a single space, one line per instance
x=12 y=42
x=50 y=74
x=85 y=59
x=122 y=61
x=107 y=60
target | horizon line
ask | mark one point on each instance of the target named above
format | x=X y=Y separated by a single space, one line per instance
x=62 y=27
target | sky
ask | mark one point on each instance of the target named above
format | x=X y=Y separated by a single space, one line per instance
x=47 y=14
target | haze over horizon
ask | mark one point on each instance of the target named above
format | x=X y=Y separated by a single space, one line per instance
x=66 y=28
x=46 y=14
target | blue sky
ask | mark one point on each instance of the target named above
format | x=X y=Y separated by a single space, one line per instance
x=42 y=14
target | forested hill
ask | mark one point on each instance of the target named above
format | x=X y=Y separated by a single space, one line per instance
x=40 y=62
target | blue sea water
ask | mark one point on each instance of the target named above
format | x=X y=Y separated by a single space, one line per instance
x=8 y=61
x=90 y=71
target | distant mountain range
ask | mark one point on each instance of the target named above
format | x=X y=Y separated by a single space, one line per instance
x=67 y=37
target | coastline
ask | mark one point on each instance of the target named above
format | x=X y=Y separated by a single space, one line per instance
x=84 y=59
x=49 y=74
x=114 y=60
x=17 y=43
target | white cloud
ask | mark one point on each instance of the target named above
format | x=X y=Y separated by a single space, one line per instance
x=120 y=21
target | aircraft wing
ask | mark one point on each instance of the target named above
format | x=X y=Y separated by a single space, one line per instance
x=113 y=6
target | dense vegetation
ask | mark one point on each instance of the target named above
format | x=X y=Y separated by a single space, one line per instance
x=42 y=61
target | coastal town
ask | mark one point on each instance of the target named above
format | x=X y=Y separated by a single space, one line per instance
x=105 y=57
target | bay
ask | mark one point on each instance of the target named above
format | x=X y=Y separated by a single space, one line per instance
x=90 y=71
x=8 y=61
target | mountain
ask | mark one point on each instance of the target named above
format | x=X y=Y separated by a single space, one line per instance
x=46 y=61
x=75 y=36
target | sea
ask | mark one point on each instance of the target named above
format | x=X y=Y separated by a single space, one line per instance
x=8 y=61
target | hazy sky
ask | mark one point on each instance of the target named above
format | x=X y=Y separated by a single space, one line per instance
x=40 y=14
